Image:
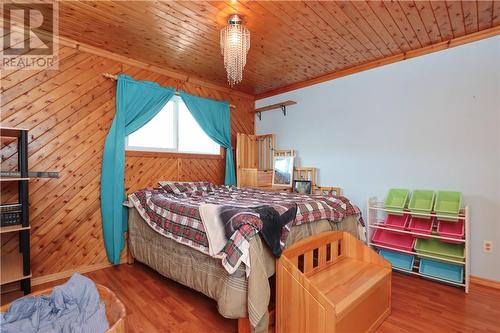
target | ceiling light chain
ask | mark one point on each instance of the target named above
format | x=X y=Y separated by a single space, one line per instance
x=234 y=43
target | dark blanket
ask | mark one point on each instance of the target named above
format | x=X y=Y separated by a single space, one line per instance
x=264 y=219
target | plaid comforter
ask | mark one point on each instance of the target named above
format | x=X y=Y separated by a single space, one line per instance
x=177 y=216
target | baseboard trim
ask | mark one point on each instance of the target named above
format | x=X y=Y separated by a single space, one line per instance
x=62 y=275
x=485 y=282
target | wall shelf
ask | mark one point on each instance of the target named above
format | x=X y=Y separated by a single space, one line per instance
x=12 y=268
x=16 y=175
x=12 y=179
x=281 y=105
x=11 y=132
x=12 y=228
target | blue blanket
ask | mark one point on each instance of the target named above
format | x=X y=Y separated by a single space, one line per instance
x=72 y=307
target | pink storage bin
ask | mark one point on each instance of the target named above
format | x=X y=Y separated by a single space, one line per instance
x=396 y=221
x=451 y=230
x=422 y=225
x=403 y=242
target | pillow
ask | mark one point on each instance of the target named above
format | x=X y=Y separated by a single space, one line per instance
x=185 y=187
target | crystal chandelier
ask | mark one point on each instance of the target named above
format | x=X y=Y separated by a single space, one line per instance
x=234 y=43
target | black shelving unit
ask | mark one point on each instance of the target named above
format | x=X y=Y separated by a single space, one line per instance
x=17 y=266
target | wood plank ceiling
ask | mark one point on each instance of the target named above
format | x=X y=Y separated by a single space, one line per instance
x=291 y=41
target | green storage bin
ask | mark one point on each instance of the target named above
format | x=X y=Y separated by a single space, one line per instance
x=422 y=201
x=397 y=199
x=448 y=203
x=435 y=247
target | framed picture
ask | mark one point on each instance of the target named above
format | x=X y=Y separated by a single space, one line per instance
x=283 y=171
x=302 y=186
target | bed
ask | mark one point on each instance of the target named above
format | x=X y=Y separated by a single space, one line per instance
x=166 y=233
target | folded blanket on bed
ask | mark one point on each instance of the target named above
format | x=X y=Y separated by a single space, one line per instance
x=214 y=228
x=239 y=225
x=74 y=307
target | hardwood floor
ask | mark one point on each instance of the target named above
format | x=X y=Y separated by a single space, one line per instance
x=157 y=304
x=419 y=305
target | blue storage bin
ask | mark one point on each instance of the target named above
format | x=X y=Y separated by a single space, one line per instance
x=442 y=270
x=399 y=260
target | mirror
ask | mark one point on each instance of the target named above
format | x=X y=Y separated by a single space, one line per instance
x=283 y=171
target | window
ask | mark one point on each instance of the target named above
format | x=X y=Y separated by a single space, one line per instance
x=173 y=129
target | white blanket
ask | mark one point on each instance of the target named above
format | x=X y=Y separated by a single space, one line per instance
x=214 y=228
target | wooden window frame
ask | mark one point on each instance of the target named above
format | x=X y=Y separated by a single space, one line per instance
x=164 y=154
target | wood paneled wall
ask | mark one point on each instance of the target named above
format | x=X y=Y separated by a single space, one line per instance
x=69 y=112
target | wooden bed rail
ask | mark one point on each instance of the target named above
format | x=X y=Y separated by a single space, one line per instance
x=328 y=190
x=314 y=253
x=306 y=173
x=327 y=248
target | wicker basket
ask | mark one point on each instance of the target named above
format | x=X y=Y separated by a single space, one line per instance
x=115 y=310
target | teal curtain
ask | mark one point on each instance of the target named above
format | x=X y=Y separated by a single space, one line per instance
x=136 y=103
x=214 y=118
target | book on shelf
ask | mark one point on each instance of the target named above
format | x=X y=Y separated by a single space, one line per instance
x=31 y=174
x=8 y=208
x=10 y=218
x=10 y=214
x=10 y=174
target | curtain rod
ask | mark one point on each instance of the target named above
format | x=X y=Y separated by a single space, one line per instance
x=115 y=77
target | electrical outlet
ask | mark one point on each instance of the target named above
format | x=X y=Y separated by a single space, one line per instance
x=487 y=246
